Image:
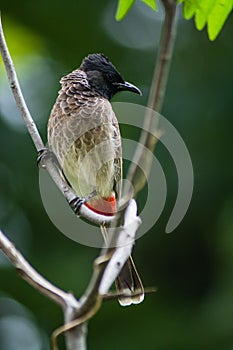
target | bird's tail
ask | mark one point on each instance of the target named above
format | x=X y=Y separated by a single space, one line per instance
x=129 y=285
x=128 y=282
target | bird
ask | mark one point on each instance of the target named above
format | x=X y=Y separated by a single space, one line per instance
x=84 y=135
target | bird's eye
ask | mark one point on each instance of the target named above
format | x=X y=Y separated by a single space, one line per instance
x=110 y=77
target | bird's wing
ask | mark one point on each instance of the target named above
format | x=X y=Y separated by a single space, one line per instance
x=118 y=165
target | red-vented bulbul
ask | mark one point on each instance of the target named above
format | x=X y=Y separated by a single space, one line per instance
x=83 y=133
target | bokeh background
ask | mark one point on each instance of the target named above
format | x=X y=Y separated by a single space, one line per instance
x=191 y=267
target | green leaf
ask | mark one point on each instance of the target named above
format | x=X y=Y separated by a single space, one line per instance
x=151 y=4
x=202 y=13
x=218 y=17
x=211 y=12
x=122 y=8
x=189 y=8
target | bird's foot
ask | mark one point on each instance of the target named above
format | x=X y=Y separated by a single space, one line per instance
x=76 y=204
x=44 y=154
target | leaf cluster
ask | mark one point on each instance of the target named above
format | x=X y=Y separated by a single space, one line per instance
x=210 y=13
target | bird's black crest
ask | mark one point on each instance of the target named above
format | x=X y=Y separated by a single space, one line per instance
x=99 y=62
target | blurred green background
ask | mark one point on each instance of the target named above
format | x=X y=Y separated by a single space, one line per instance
x=193 y=266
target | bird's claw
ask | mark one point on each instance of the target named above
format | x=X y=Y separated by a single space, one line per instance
x=43 y=154
x=76 y=204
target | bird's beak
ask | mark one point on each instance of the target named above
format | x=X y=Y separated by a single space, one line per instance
x=128 y=87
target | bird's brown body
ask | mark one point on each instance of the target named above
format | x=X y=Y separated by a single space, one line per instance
x=83 y=133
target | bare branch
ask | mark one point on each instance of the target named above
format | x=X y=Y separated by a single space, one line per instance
x=14 y=84
x=160 y=78
x=66 y=300
x=106 y=268
x=158 y=88
x=30 y=274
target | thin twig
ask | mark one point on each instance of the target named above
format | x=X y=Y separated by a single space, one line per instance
x=116 y=295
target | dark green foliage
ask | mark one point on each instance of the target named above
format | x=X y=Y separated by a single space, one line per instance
x=191 y=267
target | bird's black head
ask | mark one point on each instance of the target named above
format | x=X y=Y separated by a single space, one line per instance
x=103 y=76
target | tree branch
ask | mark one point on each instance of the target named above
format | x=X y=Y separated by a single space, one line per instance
x=156 y=98
x=15 y=88
x=66 y=300
x=160 y=78
x=106 y=268
x=31 y=275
